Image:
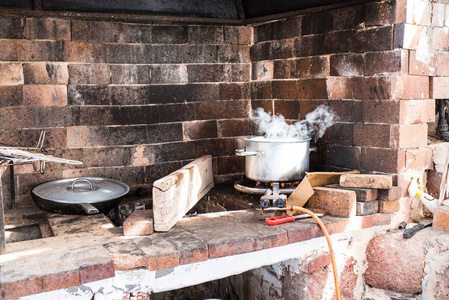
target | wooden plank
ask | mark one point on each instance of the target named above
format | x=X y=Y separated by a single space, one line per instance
x=175 y=194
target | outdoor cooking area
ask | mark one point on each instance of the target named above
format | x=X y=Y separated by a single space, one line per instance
x=224 y=150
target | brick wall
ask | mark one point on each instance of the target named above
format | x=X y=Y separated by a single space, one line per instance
x=133 y=102
x=359 y=60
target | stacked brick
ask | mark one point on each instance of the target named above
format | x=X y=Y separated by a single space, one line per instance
x=358 y=194
x=362 y=62
x=132 y=101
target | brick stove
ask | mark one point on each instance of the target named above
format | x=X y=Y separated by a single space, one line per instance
x=88 y=84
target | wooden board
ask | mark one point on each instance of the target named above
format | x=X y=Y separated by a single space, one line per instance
x=175 y=194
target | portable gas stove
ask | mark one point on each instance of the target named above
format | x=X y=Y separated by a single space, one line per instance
x=274 y=194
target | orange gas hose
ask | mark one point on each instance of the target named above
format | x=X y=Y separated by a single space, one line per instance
x=329 y=244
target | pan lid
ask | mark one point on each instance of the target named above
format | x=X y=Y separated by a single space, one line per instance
x=81 y=190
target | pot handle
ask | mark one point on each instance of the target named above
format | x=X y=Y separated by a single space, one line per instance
x=243 y=152
x=72 y=187
x=89 y=208
x=270 y=131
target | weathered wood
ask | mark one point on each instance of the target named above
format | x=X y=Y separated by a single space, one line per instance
x=175 y=194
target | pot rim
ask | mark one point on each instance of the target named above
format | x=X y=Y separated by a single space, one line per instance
x=263 y=139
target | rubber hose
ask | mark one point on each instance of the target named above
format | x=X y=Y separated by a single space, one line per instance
x=329 y=244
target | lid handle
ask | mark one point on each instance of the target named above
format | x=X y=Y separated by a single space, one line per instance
x=72 y=187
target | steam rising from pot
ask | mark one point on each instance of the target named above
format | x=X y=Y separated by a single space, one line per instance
x=314 y=125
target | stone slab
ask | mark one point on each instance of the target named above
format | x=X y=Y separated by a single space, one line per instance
x=71 y=224
x=140 y=222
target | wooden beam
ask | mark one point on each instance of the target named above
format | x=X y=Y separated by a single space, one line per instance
x=175 y=194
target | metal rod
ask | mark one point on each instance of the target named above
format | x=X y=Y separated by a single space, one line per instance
x=13 y=186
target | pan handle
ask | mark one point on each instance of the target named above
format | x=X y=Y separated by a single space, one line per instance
x=89 y=208
x=72 y=187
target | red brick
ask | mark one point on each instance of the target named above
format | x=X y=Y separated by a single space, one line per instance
x=45 y=73
x=373 y=88
x=341 y=203
x=407 y=36
x=285 y=89
x=234 y=247
x=389 y=206
x=417 y=111
x=410 y=87
x=318 y=263
x=309 y=45
x=312 y=89
x=195 y=130
x=374 y=111
x=316 y=23
x=347 y=110
x=169 y=74
x=344 y=156
x=206 y=34
x=8 y=50
x=371 y=181
x=346 y=65
x=340 y=88
x=234 y=127
x=238 y=35
x=362 y=194
x=394 y=193
x=441 y=218
x=262 y=90
x=130 y=53
x=439 y=88
x=381 y=219
x=230 y=165
x=339 y=42
x=96 y=272
x=288 y=109
x=233 y=54
x=438 y=14
x=419 y=159
x=234 y=91
x=84 y=52
x=375 y=39
x=380 y=13
x=281 y=49
x=140 y=222
x=191 y=256
x=12 y=290
x=313 y=67
x=132 y=33
x=12 y=27
x=48 y=29
x=367 y=208
x=169 y=34
x=61 y=280
x=425 y=65
x=386 y=62
x=348 y=17
x=275 y=240
x=442 y=65
x=92 y=31
x=385 y=137
x=412 y=135
x=11 y=74
x=45 y=95
x=265 y=70
x=440 y=39
x=39 y=50
x=126 y=255
x=339 y=133
x=11 y=95
x=89 y=74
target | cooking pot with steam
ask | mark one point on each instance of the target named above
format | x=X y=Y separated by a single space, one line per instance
x=275 y=159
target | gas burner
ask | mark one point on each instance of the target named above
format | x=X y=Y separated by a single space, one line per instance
x=273 y=193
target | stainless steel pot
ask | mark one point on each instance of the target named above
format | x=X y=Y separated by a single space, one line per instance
x=275 y=160
x=79 y=195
